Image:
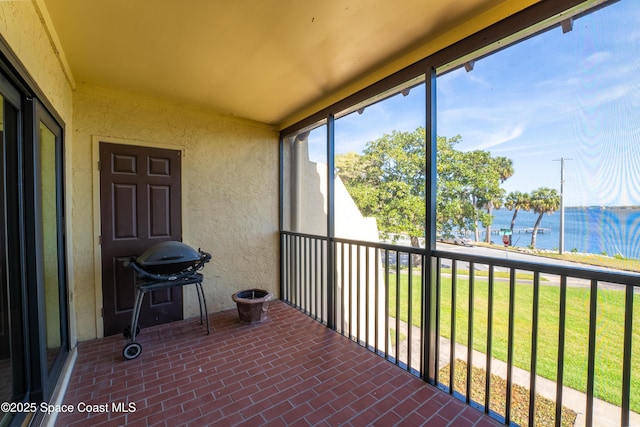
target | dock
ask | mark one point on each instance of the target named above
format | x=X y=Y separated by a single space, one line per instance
x=529 y=230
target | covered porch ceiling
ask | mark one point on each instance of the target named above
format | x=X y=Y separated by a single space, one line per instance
x=271 y=61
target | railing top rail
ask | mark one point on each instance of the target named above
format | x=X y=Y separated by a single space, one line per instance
x=305 y=235
x=579 y=271
x=389 y=246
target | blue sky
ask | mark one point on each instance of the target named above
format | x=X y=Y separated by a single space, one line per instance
x=574 y=95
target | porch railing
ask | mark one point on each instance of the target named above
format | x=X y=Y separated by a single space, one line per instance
x=499 y=334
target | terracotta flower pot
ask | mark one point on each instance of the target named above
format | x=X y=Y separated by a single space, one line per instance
x=252 y=305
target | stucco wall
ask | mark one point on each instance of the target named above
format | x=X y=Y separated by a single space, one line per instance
x=230 y=192
x=22 y=28
x=230 y=173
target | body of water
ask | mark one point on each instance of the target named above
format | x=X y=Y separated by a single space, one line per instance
x=597 y=230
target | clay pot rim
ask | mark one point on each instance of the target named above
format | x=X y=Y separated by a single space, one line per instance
x=267 y=296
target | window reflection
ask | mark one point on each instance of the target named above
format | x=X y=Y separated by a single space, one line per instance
x=50 y=241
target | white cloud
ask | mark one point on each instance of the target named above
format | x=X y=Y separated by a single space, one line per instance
x=502 y=136
x=597 y=58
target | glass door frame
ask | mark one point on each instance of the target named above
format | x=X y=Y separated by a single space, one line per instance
x=25 y=113
x=13 y=224
x=43 y=378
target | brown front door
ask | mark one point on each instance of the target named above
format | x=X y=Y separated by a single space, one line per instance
x=140 y=202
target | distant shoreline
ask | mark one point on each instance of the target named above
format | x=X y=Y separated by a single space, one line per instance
x=612 y=230
x=613 y=208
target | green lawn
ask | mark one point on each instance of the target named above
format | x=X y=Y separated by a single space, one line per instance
x=610 y=329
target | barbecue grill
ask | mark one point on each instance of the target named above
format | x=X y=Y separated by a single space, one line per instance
x=162 y=266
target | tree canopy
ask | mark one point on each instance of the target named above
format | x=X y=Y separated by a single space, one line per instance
x=387 y=181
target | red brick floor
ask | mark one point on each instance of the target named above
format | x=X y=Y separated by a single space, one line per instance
x=288 y=371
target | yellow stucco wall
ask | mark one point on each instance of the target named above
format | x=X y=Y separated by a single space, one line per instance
x=229 y=174
x=22 y=28
x=230 y=192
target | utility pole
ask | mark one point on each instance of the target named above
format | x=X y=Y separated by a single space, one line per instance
x=561 y=243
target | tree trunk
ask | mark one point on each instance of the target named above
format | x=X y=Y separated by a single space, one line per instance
x=415 y=258
x=488 y=230
x=513 y=223
x=535 y=230
x=476 y=222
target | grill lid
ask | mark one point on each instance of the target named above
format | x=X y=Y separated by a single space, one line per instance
x=168 y=256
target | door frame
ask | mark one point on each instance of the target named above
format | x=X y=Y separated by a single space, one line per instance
x=97 y=220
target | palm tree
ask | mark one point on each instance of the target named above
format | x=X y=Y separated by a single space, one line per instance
x=515 y=201
x=543 y=200
x=504 y=166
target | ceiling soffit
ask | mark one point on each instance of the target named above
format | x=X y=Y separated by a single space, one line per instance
x=267 y=61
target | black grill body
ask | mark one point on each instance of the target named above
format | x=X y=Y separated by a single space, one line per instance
x=165 y=265
x=168 y=258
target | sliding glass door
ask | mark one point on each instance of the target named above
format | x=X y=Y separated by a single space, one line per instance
x=53 y=285
x=33 y=293
x=13 y=363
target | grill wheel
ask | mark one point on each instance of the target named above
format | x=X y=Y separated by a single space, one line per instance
x=131 y=351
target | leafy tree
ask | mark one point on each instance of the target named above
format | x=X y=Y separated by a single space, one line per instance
x=348 y=166
x=504 y=167
x=388 y=182
x=454 y=210
x=485 y=174
x=543 y=200
x=494 y=202
x=515 y=201
x=468 y=186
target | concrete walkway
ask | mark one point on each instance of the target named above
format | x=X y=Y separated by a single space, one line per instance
x=604 y=414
